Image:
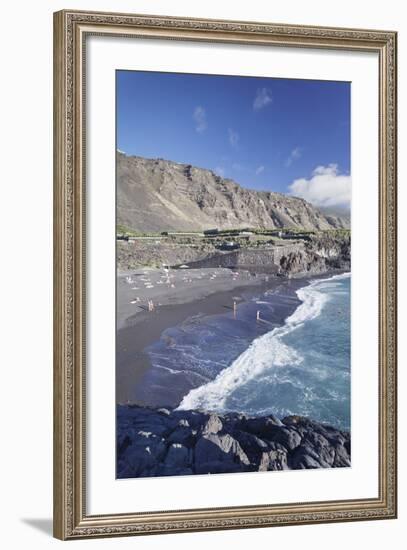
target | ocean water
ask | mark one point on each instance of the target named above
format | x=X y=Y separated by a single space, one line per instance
x=295 y=360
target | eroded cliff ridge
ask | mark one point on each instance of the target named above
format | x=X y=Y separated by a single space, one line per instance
x=156 y=195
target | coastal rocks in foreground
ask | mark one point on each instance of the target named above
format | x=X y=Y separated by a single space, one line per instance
x=165 y=442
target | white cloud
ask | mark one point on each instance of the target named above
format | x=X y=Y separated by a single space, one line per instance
x=220 y=171
x=293 y=156
x=233 y=138
x=199 y=117
x=326 y=187
x=263 y=98
x=259 y=170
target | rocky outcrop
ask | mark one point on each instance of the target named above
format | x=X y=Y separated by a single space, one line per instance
x=156 y=195
x=164 y=442
x=321 y=253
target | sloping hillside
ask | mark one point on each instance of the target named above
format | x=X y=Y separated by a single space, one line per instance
x=159 y=195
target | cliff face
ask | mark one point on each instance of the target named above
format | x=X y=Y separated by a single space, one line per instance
x=322 y=253
x=170 y=442
x=158 y=195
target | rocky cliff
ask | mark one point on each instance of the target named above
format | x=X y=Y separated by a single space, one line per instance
x=156 y=195
x=170 y=442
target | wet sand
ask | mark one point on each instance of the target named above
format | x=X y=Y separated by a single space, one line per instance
x=135 y=332
x=195 y=292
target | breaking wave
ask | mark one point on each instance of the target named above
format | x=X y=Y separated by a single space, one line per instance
x=265 y=353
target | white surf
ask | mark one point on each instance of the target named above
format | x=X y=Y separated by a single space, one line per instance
x=266 y=352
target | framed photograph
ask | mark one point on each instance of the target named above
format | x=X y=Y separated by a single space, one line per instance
x=225 y=274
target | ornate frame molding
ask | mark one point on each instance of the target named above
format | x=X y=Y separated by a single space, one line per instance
x=70 y=31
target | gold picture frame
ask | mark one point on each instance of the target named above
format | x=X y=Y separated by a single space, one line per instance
x=71 y=28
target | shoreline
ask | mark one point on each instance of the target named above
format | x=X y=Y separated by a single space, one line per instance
x=131 y=360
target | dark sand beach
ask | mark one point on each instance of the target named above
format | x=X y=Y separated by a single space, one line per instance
x=208 y=296
x=173 y=287
x=138 y=327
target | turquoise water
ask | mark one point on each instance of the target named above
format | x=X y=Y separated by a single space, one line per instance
x=302 y=367
x=295 y=361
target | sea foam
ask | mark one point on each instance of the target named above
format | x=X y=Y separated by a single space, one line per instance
x=265 y=353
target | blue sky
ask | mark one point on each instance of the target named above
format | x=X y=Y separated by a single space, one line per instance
x=285 y=135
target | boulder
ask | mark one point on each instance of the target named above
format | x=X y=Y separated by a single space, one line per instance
x=321 y=447
x=123 y=441
x=183 y=422
x=171 y=442
x=303 y=461
x=274 y=459
x=165 y=411
x=309 y=455
x=288 y=438
x=252 y=445
x=178 y=457
x=269 y=430
x=183 y=435
x=342 y=457
x=144 y=455
x=213 y=448
x=213 y=425
x=260 y=426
